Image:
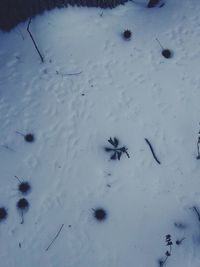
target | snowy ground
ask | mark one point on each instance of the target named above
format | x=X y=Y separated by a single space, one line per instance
x=125 y=89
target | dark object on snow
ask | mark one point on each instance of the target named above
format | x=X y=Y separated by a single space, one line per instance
x=153 y=3
x=166 y=53
x=127 y=34
x=117 y=151
x=3 y=214
x=197 y=212
x=29 y=138
x=100 y=214
x=24 y=187
x=55 y=238
x=35 y=45
x=23 y=206
x=179 y=241
x=152 y=151
x=198 y=144
x=12 y=12
x=169 y=243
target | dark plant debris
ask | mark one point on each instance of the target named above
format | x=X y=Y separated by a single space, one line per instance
x=23 y=206
x=60 y=229
x=197 y=212
x=152 y=151
x=3 y=214
x=116 y=150
x=100 y=214
x=198 y=146
x=30 y=138
x=24 y=188
x=152 y=3
x=179 y=241
x=166 y=53
x=127 y=34
x=168 y=252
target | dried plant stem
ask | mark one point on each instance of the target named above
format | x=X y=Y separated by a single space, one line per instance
x=22 y=215
x=152 y=151
x=55 y=237
x=164 y=261
x=20 y=133
x=197 y=212
x=36 y=47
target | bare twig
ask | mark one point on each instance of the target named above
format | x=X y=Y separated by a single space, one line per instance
x=54 y=238
x=41 y=57
x=20 y=133
x=159 y=43
x=197 y=212
x=71 y=74
x=179 y=241
x=22 y=214
x=198 y=151
x=152 y=151
x=17 y=178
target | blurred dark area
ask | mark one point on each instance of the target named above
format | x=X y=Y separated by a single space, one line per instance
x=12 y=12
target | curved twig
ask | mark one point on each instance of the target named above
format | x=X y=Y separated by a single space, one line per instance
x=152 y=151
x=54 y=238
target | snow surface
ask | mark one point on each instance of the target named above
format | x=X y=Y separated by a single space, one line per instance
x=125 y=89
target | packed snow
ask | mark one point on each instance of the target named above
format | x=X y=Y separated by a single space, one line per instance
x=94 y=85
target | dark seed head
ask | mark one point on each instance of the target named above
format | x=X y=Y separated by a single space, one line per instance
x=29 y=138
x=167 y=53
x=127 y=34
x=152 y=3
x=22 y=204
x=3 y=214
x=100 y=214
x=24 y=187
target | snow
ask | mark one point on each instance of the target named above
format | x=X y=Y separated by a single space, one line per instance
x=121 y=88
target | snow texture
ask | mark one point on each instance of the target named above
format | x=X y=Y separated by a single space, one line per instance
x=123 y=89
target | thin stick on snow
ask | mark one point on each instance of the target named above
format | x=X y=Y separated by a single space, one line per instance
x=152 y=151
x=17 y=178
x=159 y=43
x=198 y=152
x=71 y=74
x=22 y=216
x=55 y=238
x=36 y=47
x=197 y=212
x=20 y=133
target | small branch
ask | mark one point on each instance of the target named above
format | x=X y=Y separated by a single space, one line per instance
x=41 y=57
x=160 y=44
x=55 y=238
x=197 y=212
x=71 y=74
x=22 y=217
x=152 y=151
x=162 y=262
x=198 y=151
x=20 y=133
x=17 y=179
x=179 y=241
